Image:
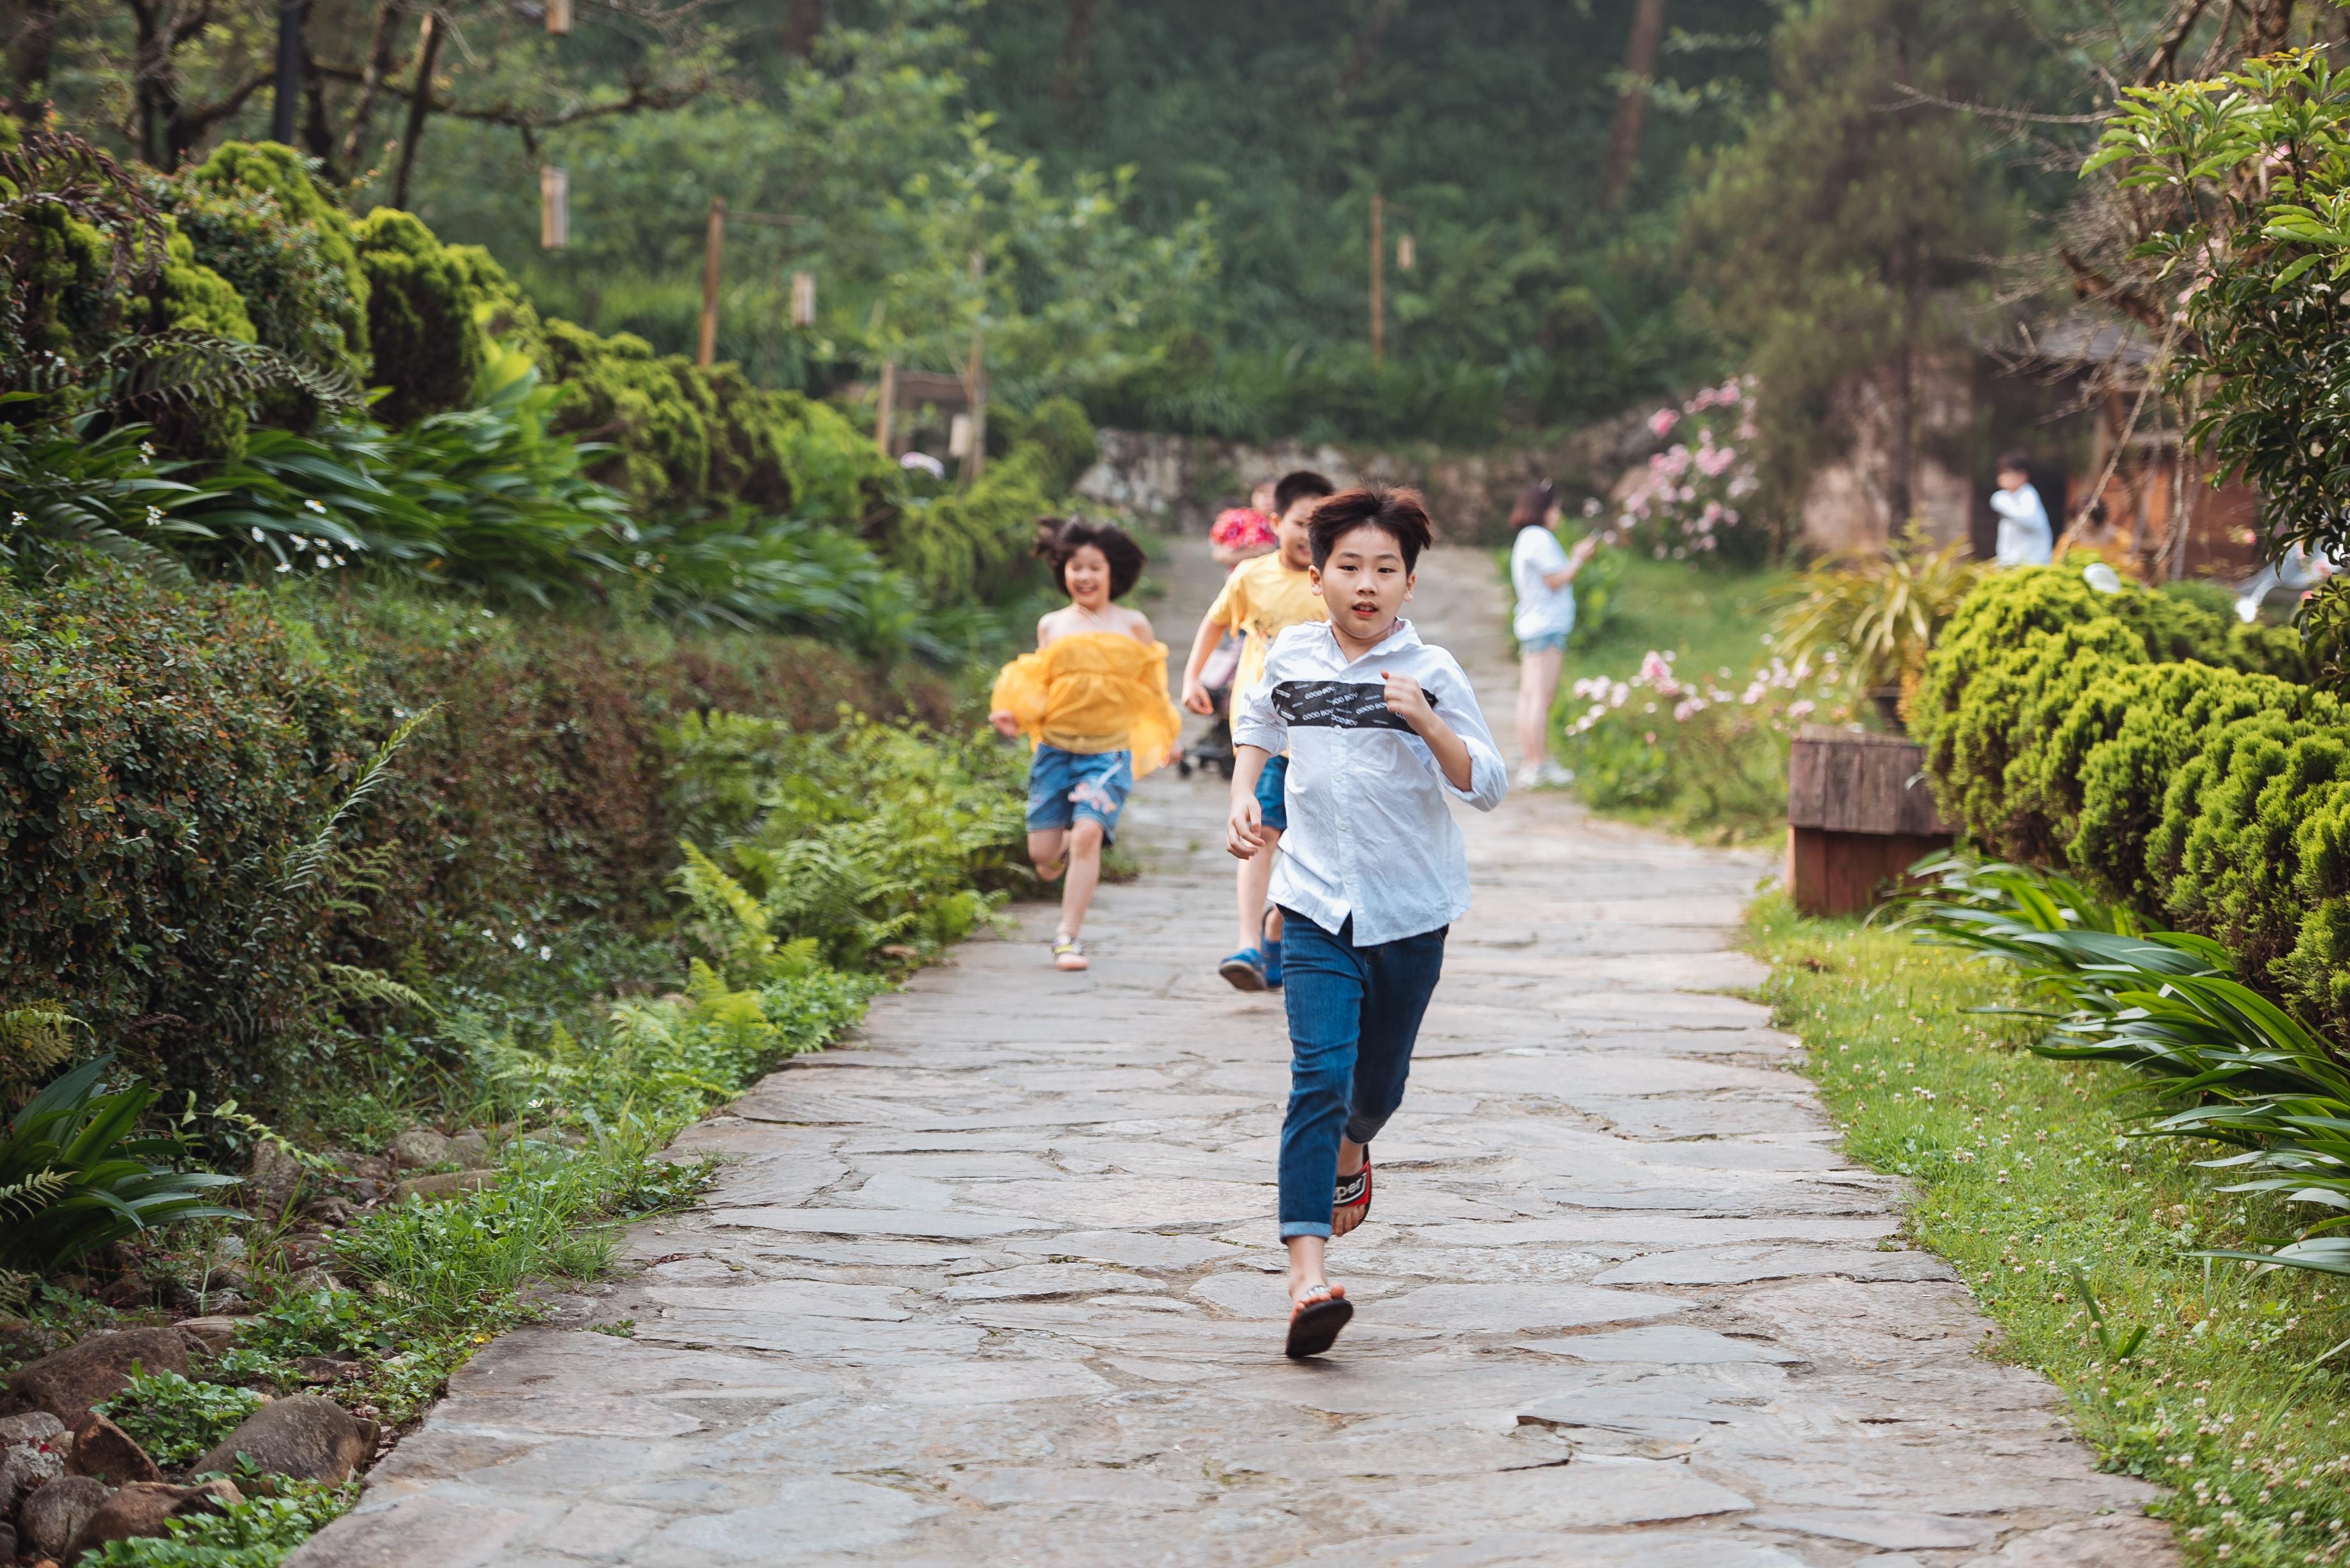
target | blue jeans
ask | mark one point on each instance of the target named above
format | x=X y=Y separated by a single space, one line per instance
x=1354 y=1015
x=1272 y=794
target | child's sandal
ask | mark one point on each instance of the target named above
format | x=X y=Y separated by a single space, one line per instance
x=1354 y=1192
x=1314 y=1322
x=1069 y=954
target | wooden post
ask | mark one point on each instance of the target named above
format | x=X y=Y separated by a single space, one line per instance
x=886 y=415
x=554 y=207
x=707 y=355
x=974 y=378
x=1379 y=278
x=558 y=16
x=804 y=299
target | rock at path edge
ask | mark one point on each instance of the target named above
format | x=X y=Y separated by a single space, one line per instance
x=306 y=1436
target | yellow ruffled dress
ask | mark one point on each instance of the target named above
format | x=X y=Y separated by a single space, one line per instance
x=1095 y=692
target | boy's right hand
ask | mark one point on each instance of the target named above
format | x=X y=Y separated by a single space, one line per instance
x=1005 y=724
x=1196 y=699
x=1245 y=831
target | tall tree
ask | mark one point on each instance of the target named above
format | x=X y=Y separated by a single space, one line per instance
x=803 y=22
x=1076 y=49
x=1632 y=94
x=1846 y=235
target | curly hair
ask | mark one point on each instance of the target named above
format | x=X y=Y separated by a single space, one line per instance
x=1059 y=538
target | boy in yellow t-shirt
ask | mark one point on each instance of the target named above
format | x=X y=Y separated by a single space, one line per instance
x=1263 y=598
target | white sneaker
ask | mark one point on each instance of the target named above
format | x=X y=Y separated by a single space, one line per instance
x=1529 y=775
x=1554 y=775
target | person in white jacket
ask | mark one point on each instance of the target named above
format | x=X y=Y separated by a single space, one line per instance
x=2025 y=538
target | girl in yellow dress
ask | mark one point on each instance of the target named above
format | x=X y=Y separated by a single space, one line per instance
x=1093 y=700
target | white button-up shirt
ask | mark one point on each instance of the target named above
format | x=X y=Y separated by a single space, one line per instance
x=1370 y=834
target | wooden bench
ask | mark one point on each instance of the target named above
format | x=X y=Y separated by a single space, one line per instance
x=1860 y=813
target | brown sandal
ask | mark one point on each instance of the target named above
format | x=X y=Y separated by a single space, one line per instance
x=1315 y=1322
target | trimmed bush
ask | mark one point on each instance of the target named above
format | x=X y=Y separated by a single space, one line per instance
x=420 y=315
x=2143 y=742
x=686 y=438
x=976 y=544
x=160 y=752
x=163 y=753
x=287 y=257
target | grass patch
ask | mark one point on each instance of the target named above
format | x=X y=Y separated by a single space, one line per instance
x=1713 y=618
x=1716 y=768
x=2028 y=1182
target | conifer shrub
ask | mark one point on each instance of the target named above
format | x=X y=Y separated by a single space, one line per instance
x=419 y=317
x=2142 y=742
x=252 y=217
x=976 y=544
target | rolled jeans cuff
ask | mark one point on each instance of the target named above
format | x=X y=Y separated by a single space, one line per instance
x=1304 y=1227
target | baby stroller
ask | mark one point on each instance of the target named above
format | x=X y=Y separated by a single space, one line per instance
x=1214 y=747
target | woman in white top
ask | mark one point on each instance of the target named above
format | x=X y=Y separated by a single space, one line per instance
x=1543 y=573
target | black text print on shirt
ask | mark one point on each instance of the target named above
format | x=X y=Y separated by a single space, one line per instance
x=1337 y=705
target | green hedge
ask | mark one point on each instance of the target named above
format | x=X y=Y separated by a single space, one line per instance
x=2169 y=756
x=165 y=751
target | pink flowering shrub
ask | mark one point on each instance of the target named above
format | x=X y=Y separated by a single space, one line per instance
x=1692 y=501
x=1709 y=752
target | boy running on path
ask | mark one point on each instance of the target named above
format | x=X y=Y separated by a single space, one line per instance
x=1261 y=599
x=1382 y=731
x=1092 y=699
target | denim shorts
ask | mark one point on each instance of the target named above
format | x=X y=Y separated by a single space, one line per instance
x=1548 y=642
x=1066 y=785
x=1272 y=794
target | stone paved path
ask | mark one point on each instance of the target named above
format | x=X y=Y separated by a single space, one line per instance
x=999 y=1284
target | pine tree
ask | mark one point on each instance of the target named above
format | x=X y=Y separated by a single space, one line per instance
x=1846 y=234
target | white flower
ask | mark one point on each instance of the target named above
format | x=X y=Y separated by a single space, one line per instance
x=314 y=506
x=17 y=520
x=339 y=561
x=285 y=566
x=324 y=563
x=489 y=936
x=154 y=515
x=146 y=449
x=520 y=941
x=259 y=539
x=545 y=953
x=299 y=542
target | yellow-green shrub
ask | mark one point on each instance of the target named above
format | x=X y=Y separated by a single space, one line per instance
x=2140 y=740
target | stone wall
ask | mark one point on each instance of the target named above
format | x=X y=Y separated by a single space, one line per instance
x=1180 y=482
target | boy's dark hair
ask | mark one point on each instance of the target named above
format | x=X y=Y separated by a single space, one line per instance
x=1059 y=538
x=1400 y=515
x=1533 y=509
x=2015 y=460
x=1301 y=484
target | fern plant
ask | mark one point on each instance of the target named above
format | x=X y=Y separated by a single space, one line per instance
x=77 y=1174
